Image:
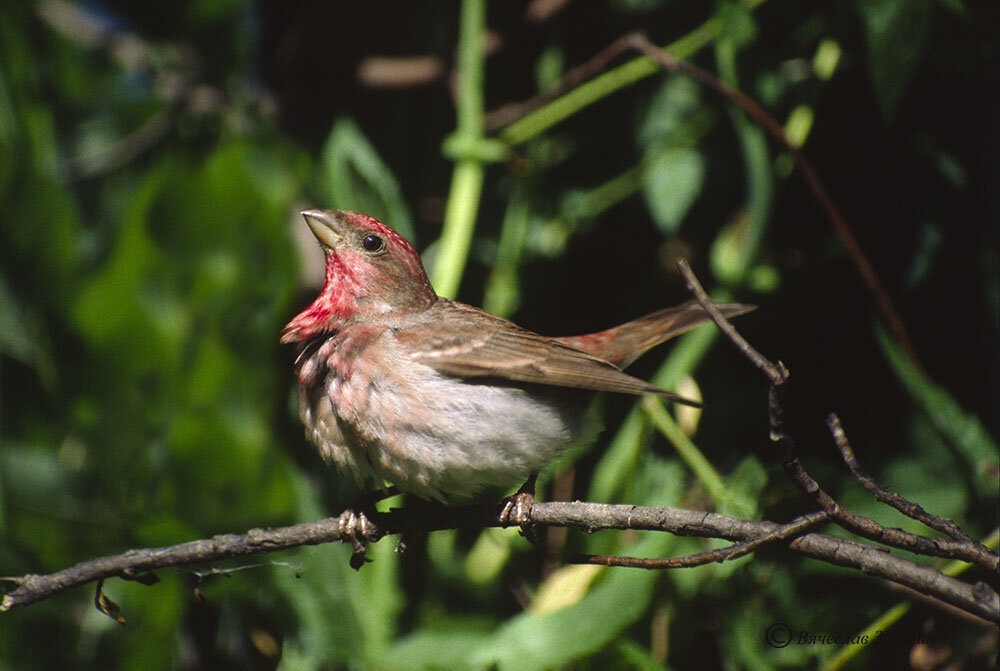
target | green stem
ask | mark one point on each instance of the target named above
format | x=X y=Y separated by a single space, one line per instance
x=624 y=451
x=467 y=177
x=688 y=451
x=756 y=161
x=503 y=288
x=613 y=80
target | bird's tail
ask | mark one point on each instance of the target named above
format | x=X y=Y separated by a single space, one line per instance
x=624 y=344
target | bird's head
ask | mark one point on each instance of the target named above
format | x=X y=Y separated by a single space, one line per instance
x=372 y=272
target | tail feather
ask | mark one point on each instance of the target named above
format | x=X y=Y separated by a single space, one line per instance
x=624 y=344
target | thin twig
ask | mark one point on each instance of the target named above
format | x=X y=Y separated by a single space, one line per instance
x=768 y=123
x=852 y=554
x=908 y=508
x=510 y=112
x=868 y=528
x=775 y=372
x=786 y=531
x=640 y=43
x=863 y=526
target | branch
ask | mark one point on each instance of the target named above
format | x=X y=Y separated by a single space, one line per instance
x=784 y=532
x=961 y=547
x=978 y=599
x=908 y=508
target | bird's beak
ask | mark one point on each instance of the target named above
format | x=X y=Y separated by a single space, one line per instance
x=326 y=225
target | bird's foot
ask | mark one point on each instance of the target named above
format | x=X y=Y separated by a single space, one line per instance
x=356 y=529
x=516 y=508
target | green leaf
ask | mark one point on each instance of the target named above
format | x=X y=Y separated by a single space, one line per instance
x=551 y=640
x=674 y=105
x=896 y=33
x=16 y=340
x=673 y=170
x=977 y=448
x=343 y=615
x=543 y=640
x=354 y=177
x=428 y=649
x=673 y=180
x=738 y=23
x=744 y=486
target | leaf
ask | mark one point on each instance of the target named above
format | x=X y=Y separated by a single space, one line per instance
x=354 y=177
x=673 y=106
x=15 y=334
x=896 y=33
x=673 y=180
x=738 y=23
x=343 y=615
x=673 y=169
x=432 y=648
x=977 y=448
x=553 y=639
x=745 y=485
x=565 y=587
x=104 y=604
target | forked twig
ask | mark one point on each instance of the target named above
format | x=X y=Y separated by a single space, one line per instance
x=908 y=508
x=960 y=548
x=781 y=533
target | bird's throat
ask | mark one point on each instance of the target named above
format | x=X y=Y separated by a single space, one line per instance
x=336 y=303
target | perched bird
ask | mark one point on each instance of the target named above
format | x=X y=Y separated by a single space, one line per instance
x=437 y=397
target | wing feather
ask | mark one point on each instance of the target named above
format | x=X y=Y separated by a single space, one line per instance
x=484 y=345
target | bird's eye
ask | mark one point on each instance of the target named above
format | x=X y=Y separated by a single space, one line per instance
x=372 y=243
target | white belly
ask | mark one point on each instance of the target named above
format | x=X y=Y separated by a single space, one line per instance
x=460 y=437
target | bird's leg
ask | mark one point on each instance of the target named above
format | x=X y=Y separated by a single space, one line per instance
x=355 y=526
x=517 y=507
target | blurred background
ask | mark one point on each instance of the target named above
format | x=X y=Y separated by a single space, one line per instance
x=154 y=156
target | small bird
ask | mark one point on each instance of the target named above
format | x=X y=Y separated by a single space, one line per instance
x=437 y=397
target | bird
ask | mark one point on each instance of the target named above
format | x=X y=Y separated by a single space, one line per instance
x=439 y=398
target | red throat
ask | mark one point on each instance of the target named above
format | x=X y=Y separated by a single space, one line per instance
x=334 y=305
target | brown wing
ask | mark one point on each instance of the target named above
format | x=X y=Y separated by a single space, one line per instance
x=479 y=344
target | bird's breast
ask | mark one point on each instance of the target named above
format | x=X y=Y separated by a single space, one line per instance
x=430 y=433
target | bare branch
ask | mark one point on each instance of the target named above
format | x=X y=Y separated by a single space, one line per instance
x=964 y=549
x=908 y=508
x=784 y=532
x=776 y=373
x=977 y=599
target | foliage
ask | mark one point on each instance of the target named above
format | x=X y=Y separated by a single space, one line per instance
x=151 y=164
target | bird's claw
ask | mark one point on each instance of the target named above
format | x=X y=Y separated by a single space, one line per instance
x=517 y=509
x=355 y=527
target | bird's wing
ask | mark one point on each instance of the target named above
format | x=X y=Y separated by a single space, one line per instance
x=478 y=344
